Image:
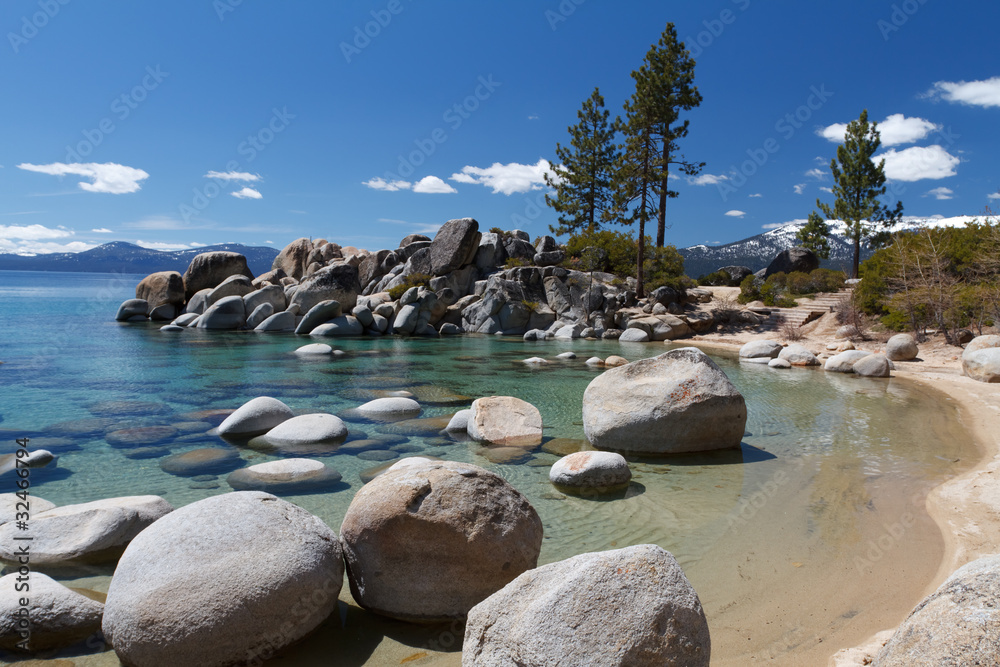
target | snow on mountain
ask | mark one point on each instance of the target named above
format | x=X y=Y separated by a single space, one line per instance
x=757 y=251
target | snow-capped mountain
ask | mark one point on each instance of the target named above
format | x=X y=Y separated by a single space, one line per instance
x=757 y=251
x=122 y=257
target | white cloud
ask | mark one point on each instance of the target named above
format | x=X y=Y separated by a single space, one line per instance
x=818 y=174
x=894 y=130
x=918 y=163
x=32 y=232
x=247 y=193
x=735 y=214
x=799 y=189
x=270 y=242
x=159 y=245
x=772 y=225
x=974 y=93
x=826 y=189
x=708 y=179
x=533 y=117
x=506 y=178
x=31 y=248
x=157 y=222
x=754 y=196
x=432 y=185
x=993 y=195
x=102 y=230
x=233 y=176
x=389 y=186
x=109 y=177
x=940 y=193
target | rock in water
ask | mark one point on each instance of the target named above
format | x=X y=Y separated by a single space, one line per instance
x=163 y=287
x=137 y=308
x=798 y=355
x=9 y=509
x=598 y=471
x=307 y=429
x=505 y=420
x=294 y=258
x=59 y=617
x=630 y=607
x=844 y=362
x=95 y=532
x=255 y=417
x=285 y=476
x=428 y=540
x=223 y=581
x=873 y=366
x=901 y=347
x=958 y=624
x=390 y=408
x=331 y=283
x=209 y=269
x=680 y=401
x=229 y=312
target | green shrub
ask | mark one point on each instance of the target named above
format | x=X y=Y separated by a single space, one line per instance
x=717 y=279
x=826 y=280
x=514 y=262
x=532 y=306
x=749 y=290
x=412 y=280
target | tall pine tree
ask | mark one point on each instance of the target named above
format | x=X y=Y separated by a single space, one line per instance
x=582 y=180
x=815 y=236
x=636 y=177
x=858 y=182
x=664 y=88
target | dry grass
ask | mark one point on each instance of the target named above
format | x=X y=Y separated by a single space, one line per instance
x=791 y=332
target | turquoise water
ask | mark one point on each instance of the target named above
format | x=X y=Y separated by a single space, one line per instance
x=827 y=458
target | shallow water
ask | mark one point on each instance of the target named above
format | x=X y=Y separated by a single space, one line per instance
x=784 y=540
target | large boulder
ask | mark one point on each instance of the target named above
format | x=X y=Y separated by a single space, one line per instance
x=958 y=624
x=132 y=310
x=209 y=269
x=293 y=259
x=58 y=616
x=428 y=540
x=873 y=366
x=255 y=417
x=94 y=532
x=232 y=286
x=629 y=607
x=9 y=509
x=345 y=325
x=322 y=312
x=161 y=288
x=680 y=401
x=798 y=355
x=223 y=581
x=283 y=321
x=308 y=429
x=736 y=273
x=505 y=420
x=338 y=283
x=844 y=362
x=901 y=347
x=981 y=359
x=271 y=294
x=793 y=259
x=227 y=313
x=454 y=245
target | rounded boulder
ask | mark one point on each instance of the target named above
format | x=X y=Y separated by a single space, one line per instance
x=598 y=471
x=285 y=476
x=901 y=347
x=428 y=540
x=505 y=420
x=255 y=417
x=223 y=581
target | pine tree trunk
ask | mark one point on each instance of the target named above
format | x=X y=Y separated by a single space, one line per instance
x=857 y=255
x=641 y=254
x=661 y=214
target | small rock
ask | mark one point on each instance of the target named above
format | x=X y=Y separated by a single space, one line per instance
x=844 y=362
x=758 y=349
x=594 y=361
x=781 y=363
x=314 y=349
x=59 y=616
x=634 y=336
x=534 y=361
x=285 y=476
x=308 y=429
x=390 y=408
x=255 y=417
x=595 y=471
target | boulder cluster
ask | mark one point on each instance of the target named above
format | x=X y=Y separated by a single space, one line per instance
x=462 y=281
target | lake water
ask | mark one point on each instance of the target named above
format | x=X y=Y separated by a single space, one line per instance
x=791 y=542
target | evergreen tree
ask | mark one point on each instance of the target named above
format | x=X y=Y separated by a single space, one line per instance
x=664 y=87
x=858 y=182
x=636 y=178
x=582 y=180
x=815 y=236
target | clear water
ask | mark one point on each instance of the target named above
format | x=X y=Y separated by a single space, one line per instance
x=827 y=463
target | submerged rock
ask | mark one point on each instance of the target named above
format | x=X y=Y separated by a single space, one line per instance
x=426 y=541
x=223 y=581
x=390 y=408
x=630 y=607
x=308 y=429
x=200 y=461
x=285 y=476
x=680 y=401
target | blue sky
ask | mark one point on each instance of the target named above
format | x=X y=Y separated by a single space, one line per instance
x=175 y=124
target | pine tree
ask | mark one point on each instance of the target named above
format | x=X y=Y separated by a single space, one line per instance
x=665 y=87
x=815 y=236
x=583 y=178
x=636 y=177
x=858 y=182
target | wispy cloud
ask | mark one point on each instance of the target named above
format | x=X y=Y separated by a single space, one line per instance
x=940 y=193
x=707 y=179
x=507 y=179
x=159 y=245
x=247 y=193
x=388 y=186
x=157 y=222
x=984 y=93
x=101 y=230
x=735 y=214
x=233 y=176
x=818 y=174
x=799 y=189
x=772 y=225
x=993 y=195
x=756 y=195
x=110 y=177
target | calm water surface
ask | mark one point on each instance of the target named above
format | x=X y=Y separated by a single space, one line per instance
x=828 y=466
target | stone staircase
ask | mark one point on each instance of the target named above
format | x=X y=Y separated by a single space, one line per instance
x=813 y=309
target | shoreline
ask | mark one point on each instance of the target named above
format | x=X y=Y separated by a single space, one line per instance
x=965 y=508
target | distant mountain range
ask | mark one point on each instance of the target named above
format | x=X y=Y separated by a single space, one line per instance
x=757 y=251
x=122 y=257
